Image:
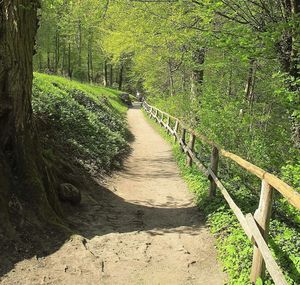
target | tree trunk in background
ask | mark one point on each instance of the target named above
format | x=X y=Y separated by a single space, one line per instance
x=63 y=62
x=288 y=50
x=171 y=79
x=295 y=66
x=249 y=90
x=289 y=58
x=105 y=78
x=184 y=81
x=88 y=65
x=26 y=186
x=69 y=62
x=295 y=61
x=90 y=62
x=92 y=68
x=56 y=52
x=40 y=62
x=79 y=45
x=197 y=75
x=48 y=61
x=111 y=76
x=121 y=76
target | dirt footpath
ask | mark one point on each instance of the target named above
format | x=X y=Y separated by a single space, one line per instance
x=143 y=229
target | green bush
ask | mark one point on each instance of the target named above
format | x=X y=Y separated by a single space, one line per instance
x=80 y=120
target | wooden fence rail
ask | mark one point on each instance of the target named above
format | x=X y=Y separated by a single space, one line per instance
x=256 y=227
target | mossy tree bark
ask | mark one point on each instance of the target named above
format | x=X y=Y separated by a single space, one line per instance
x=26 y=184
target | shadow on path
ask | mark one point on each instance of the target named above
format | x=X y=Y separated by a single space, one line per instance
x=101 y=212
x=104 y=211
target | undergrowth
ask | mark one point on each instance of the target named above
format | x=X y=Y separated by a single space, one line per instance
x=234 y=248
x=80 y=122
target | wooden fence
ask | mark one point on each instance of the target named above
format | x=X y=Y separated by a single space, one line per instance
x=255 y=226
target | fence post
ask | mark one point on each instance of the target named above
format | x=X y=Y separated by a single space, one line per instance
x=189 y=160
x=176 y=130
x=262 y=217
x=162 y=119
x=168 y=123
x=214 y=160
x=183 y=139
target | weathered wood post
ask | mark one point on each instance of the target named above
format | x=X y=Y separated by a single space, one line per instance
x=183 y=139
x=176 y=130
x=214 y=161
x=168 y=123
x=161 y=119
x=189 y=160
x=156 y=113
x=262 y=217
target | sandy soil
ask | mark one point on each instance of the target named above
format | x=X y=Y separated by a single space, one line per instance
x=142 y=228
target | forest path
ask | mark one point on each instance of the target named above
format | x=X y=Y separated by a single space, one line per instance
x=143 y=229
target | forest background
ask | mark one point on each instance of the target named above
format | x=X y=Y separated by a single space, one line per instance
x=230 y=69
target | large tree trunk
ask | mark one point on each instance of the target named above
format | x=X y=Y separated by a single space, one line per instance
x=26 y=184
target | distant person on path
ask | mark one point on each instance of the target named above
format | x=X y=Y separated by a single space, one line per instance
x=139 y=97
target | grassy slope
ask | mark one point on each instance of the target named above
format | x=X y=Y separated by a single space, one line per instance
x=234 y=248
x=80 y=123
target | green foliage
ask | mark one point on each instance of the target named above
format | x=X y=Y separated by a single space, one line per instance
x=241 y=42
x=70 y=42
x=291 y=173
x=84 y=121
